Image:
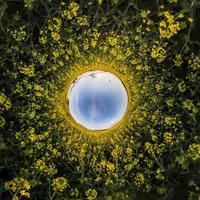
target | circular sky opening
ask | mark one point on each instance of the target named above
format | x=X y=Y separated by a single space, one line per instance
x=97 y=100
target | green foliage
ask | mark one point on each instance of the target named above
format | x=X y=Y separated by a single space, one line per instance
x=157 y=156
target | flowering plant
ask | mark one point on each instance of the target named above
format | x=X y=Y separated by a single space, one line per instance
x=154 y=151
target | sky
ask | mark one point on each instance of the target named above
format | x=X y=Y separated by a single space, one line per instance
x=97 y=100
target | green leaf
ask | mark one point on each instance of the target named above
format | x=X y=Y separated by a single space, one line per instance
x=114 y=1
x=3 y=7
x=161 y=190
x=183 y=25
x=2 y=121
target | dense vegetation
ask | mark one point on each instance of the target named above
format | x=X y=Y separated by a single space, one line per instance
x=153 y=46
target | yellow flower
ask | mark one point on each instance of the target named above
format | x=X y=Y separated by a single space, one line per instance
x=178 y=60
x=194 y=151
x=182 y=86
x=91 y=194
x=83 y=21
x=5 y=103
x=169 y=27
x=181 y=15
x=154 y=138
x=145 y=13
x=170 y=120
x=103 y=163
x=60 y=184
x=28 y=70
x=28 y=4
x=55 y=36
x=189 y=105
x=170 y=102
x=190 y=19
x=41 y=167
x=71 y=11
x=129 y=151
x=135 y=161
x=115 y=152
x=83 y=150
x=110 y=166
x=56 y=54
x=194 y=62
x=159 y=174
x=18 y=186
x=112 y=40
x=163 y=24
x=24 y=193
x=150 y=148
x=168 y=137
x=139 y=179
x=158 y=52
x=43 y=40
x=20 y=34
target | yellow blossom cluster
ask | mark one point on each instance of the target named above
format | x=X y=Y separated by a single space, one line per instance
x=60 y=184
x=139 y=179
x=170 y=120
x=19 y=187
x=54 y=26
x=71 y=11
x=194 y=151
x=158 y=52
x=145 y=13
x=168 y=137
x=112 y=40
x=178 y=61
x=182 y=86
x=168 y=27
x=5 y=103
x=83 y=21
x=159 y=174
x=83 y=150
x=189 y=105
x=104 y=164
x=194 y=62
x=29 y=4
x=129 y=151
x=42 y=167
x=27 y=70
x=20 y=34
x=94 y=38
x=91 y=194
x=154 y=149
